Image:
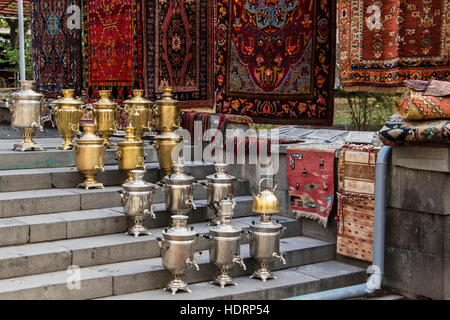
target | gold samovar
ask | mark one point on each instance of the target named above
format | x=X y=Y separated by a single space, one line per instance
x=139 y=113
x=68 y=114
x=27 y=109
x=131 y=154
x=167 y=113
x=105 y=117
x=265 y=234
x=90 y=152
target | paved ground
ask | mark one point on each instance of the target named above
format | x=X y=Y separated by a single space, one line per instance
x=7 y=132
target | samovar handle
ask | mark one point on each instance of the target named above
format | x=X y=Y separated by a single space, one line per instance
x=163 y=244
x=204 y=184
x=240 y=261
x=118 y=155
x=248 y=234
x=280 y=256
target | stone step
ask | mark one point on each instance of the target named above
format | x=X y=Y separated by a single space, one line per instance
x=53 y=158
x=29 y=259
x=148 y=274
x=33 y=202
x=294 y=281
x=70 y=177
x=88 y=223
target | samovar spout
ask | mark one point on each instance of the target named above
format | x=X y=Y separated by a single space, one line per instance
x=190 y=203
x=240 y=261
x=150 y=212
x=279 y=256
x=36 y=125
x=191 y=264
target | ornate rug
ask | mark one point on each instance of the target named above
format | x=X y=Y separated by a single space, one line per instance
x=310 y=175
x=113 y=46
x=56 y=42
x=179 y=46
x=384 y=42
x=275 y=60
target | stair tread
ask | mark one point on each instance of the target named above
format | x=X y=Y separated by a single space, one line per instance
x=290 y=277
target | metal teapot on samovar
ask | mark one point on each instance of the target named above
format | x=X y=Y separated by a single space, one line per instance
x=27 y=108
x=178 y=251
x=178 y=188
x=220 y=186
x=225 y=245
x=265 y=234
x=136 y=198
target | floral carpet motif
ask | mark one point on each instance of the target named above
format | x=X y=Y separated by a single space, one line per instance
x=56 y=41
x=382 y=43
x=275 y=60
x=113 y=31
x=179 y=44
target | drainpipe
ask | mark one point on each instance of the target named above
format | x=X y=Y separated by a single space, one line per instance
x=377 y=268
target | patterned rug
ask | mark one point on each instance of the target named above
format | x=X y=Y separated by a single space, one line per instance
x=310 y=175
x=384 y=42
x=275 y=60
x=56 y=42
x=179 y=46
x=113 y=46
x=397 y=132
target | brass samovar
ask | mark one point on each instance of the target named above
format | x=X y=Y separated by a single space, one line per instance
x=27 y=109
x=225 y=245
x=68 y=114
x=178 y=251
x=139 y=113
x=167 y=113
x=105 y=117
x=90 y=152
x=137 y=201
x=131 y=154
x=265 y=234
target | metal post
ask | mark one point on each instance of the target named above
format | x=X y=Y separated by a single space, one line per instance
x=21 y=40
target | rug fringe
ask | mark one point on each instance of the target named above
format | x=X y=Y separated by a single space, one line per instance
x=375 y=89
x=310 y=215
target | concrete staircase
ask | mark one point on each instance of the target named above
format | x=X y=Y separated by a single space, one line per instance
x=47 y=225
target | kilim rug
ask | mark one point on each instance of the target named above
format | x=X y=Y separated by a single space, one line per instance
x=275 y=60
x=384 y=42
x=179 y=46
x=56 y=42
x=310 y=175
x=113 y=46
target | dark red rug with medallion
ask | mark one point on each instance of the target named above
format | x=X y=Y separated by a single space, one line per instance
x=275 y=60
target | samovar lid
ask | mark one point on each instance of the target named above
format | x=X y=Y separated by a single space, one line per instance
x=89 y=136
x=138 y=98
x=179 y=229
x=178 y=177
x=26 y=91
x=167 y=98
x=68 y=98
x=220 y=176
x=105 y=100
x=138 y=183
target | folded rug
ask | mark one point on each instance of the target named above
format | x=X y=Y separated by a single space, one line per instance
x=401 y=132
x=425 y=100
x=310 y=175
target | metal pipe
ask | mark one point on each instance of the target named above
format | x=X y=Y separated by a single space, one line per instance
x=377 y=268
x=21 y=40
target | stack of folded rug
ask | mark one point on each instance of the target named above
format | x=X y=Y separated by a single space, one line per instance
x=423 y=115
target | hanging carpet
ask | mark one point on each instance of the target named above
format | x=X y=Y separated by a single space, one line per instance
x=310 y=175
x=113 y=47
x=385 y=42
x=56 y=42
x=275 y=60
x=179 y=51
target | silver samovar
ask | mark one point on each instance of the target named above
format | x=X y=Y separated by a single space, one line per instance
x=220 y=186
x=178 y=188
x=225 y=245
x=137 y=201
x=27 y=108
x=178 y=251
x=265 y=234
